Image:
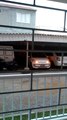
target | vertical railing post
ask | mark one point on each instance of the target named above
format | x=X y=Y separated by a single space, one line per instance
x=59 y=96
x=31 y=85
x=27 y=48
x=62 y=61
x=64 y=21
x=34 y=2
x=32 y=39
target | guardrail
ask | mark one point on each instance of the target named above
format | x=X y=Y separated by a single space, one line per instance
x=33 y=96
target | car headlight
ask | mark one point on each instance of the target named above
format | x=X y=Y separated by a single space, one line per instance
x=47 y=62
x=36 y=61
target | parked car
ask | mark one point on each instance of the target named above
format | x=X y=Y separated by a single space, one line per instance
x=57 y=60
x=38 y=62
x=2 y=64
x=7 y=58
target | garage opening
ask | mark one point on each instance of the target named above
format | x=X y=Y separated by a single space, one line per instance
x=34 y=49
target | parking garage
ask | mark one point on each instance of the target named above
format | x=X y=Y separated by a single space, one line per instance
x=20 y=49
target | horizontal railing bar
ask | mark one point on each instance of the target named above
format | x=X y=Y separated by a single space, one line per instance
x=33 y=90
x=33 y=108
x=28 y=28
x=34 y=73
x=34 y=51
x=51 y=73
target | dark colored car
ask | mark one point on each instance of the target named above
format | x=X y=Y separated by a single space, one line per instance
x=7 y=58
x=2 y=64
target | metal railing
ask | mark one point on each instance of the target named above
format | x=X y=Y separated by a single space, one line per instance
x=33 y=96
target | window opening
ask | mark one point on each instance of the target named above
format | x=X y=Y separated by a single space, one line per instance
x=23 y=17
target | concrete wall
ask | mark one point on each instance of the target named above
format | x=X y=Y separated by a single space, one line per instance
x=8 y=17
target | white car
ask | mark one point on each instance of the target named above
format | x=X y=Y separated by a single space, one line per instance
x=37 y=62
x=57 y=59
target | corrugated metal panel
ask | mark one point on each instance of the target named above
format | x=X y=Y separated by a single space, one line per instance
x=37 y=37
x=36 y=33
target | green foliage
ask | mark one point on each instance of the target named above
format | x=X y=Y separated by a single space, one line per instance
x=38 y=114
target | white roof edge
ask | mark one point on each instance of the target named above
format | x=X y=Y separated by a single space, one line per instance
x=11 y=5
x=51 y=33
x=41 y=33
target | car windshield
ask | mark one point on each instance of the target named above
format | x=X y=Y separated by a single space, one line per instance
x=58 y=54
x=65 y=54
x=38 y=54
